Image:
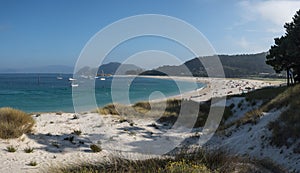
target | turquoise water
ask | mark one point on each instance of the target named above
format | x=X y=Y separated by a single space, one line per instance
x=45 y=93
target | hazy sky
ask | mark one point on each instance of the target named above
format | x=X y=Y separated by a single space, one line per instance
x=53 y=32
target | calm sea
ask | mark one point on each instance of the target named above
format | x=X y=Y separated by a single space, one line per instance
x=45 y=93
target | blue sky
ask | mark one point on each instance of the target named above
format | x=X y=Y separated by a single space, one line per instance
x=53 y=32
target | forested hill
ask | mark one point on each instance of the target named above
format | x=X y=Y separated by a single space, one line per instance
x=234 y=66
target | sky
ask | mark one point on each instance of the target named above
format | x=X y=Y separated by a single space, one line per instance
x=54 y=32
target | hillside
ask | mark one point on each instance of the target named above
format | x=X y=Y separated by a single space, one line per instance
x=265 y=124
x=234 y=66
x=111 y=68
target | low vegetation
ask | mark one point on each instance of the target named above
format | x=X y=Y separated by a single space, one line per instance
x=14 y=123
x=28 y=150
x=95 y=148
x=33 y=163
x=265 y=94
x=285 y=130
x=185 y=161
x=169 y=115
x=11 y=149
x=77 y=132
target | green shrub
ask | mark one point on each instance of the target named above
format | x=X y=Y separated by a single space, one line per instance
x=184 y=166
x=28 y=150
x=77 y=132
x=95 y=148
x=11 y=149
x=32 y=163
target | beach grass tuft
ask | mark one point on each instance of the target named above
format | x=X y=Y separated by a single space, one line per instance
x=95 y=148
x=77 y=132
x=14 y=123
x=32 y=163
x=28 y=150
x=11 y=149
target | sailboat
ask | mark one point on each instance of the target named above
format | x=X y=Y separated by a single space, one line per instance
x=71 y=79
x=59 y=77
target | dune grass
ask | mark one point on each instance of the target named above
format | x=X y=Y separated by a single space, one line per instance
x=14 y=123
x=194 y=161
x=285 y=130
x=169 y=115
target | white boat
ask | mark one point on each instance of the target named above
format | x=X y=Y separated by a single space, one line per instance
x=59 y=78
x=102 y=76
x=71 y=79
x=74 y=85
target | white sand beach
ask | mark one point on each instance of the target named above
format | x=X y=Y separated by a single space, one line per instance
x=55 y=143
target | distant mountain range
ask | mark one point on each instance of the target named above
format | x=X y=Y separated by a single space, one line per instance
x=43 y=69
x=111 y=68
x=233 y=65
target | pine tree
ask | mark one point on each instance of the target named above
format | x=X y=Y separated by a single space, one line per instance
x=285 y=54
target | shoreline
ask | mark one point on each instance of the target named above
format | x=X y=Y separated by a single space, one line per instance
x=218 y=87
x=213 y=87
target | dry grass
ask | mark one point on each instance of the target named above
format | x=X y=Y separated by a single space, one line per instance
x=14 y=123
x=194 y=161
x=285 y=130
x=283 y=99
x=264 y=94
x=169 y=115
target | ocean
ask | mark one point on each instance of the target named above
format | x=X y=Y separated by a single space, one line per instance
x=46 y=93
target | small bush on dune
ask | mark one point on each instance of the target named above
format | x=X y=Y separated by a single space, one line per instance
x=11 y=149
x=32 y=163
x=14 y=123
x=95 y=148
x=77 y=132
x=28 y=150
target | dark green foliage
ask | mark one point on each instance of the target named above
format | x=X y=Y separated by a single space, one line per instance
x=11 y=149
x=28 y=150
x=285 y=54
x=95 y=148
